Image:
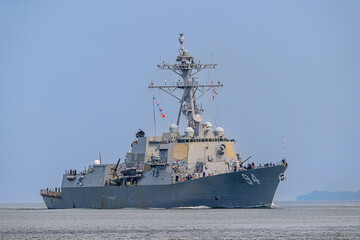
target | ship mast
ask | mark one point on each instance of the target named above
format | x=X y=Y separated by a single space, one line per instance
x=186 y=67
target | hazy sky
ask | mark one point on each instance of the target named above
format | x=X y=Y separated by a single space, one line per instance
x=74 y=77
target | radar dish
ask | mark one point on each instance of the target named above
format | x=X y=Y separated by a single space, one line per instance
x=198 y=118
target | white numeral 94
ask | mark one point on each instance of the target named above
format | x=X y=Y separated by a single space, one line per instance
x=249 y=181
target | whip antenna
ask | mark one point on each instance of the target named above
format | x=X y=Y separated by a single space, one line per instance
x=283 y=142
x=154 y=115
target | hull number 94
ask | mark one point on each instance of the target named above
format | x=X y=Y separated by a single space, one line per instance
x=250 y=180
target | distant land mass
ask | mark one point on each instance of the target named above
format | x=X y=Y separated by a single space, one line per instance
x=330 y=196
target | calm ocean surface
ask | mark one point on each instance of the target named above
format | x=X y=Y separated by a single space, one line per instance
x=287 y=220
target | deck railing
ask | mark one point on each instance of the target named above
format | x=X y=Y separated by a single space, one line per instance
x=50 y=193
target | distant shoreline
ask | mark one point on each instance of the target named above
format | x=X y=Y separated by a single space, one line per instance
x=329 y=196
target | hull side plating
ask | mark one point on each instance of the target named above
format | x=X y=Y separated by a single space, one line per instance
x=242 y=189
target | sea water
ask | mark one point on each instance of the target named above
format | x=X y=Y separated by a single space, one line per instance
x=285 y=220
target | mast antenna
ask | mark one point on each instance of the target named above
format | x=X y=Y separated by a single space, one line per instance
x=186 y=67
x=283 y=142
x=154 y=115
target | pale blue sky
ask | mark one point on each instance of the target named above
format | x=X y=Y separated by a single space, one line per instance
x=74 y=77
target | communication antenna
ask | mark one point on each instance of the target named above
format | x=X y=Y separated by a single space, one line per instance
x=215 y=122
x=283 y=141
x=100 y=157
x=186 y=67
x=154 y=115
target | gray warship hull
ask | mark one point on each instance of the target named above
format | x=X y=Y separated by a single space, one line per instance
x=230 y=190
x=197 y=168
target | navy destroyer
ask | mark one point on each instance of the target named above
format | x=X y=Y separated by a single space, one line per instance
x=197 y=168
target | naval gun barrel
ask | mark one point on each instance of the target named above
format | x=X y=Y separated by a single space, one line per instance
x=117 y=165
x=245 y=160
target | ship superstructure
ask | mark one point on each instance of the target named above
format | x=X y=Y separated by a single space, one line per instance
x=197 y=168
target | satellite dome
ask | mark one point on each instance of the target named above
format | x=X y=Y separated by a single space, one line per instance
x=97 y=162
x=189 y=132
x=219 y=131
x=186 y=53
x=174 y=128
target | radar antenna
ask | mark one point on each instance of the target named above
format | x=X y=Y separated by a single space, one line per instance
x=184 y=67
